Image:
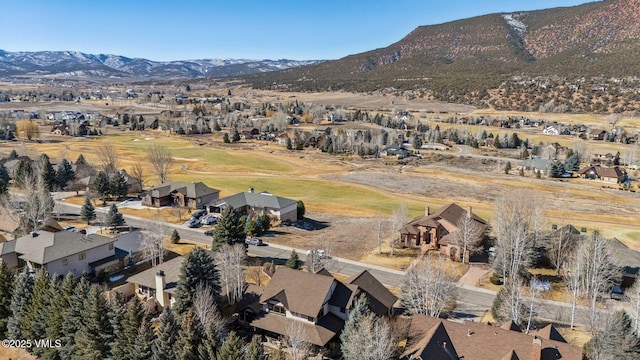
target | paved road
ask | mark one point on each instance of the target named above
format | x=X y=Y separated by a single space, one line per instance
x=472 y=301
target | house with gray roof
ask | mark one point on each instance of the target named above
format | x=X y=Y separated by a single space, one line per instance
x=252 y=203
x=159 y=282
x=194 y=195
x=8 y=254
x=65 y=251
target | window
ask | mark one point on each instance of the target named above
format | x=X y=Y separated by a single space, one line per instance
x=111 y=246
x=277 y=309
x=82 y=256
x=65 y=262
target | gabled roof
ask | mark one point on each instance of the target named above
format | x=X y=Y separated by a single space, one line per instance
x=447 y=216
x=511 y=325
x=381 y=300
x=304 y=292
x=318 y=334
x=435 y=343
x=479 y=341
x=191 y=190
x=549 y=332
x=255 y=200
x=7 y=247
x=511 y=355
x=46 y=247
x=603 y=171
x=171 y=271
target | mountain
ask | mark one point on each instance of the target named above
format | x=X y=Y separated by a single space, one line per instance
x=463 y=60
x=77 y=64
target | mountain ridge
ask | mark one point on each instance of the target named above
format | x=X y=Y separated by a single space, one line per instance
x=75 y=63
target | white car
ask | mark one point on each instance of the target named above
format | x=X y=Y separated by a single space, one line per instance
x=208 y=220
x=319 y=253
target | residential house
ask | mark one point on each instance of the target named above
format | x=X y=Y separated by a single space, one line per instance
x=65 y=251
x=437 y=230
x=607 y=159
x=396 y=150
x=553 y=151
x=596 y=134
x=252 y=203
x=8 y=253
x=194 y=195
x=157 y=286
x=433 y=338
x=248 y=133
x=608 y=174
x=534 y=164
x=550 y=130
x=318 y=302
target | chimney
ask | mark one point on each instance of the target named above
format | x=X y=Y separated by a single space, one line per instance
x=427 y=211
x=469 y=211
x=536 y=350
x=160 y=285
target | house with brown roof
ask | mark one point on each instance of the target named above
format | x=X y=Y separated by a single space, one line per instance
x=437 y=230
x=254 y=203
x=433 y=338
x=318 y=302
x=609 y=174
x=194 y=195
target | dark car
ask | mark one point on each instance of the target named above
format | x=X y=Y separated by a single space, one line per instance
x=617 y=293
x=209 y=233
x=193 y=223
x=198 y=214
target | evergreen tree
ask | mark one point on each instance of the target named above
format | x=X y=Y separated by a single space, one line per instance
x=118 y=186
x=507 y=167
x=300 y=210
x=538 y=174
x=80 y=160
x=616 y=341
x=294 y=261
x=225 y=138
x=189 y=339
x=114 y=218
x=33 y=325
x=142 y=343
x=162 y=347
x=23 y=172
x=101 y=186
x=197 y=268
x=92 y=338
x=351 y=341
x=60 y=294
x=13 y=154
x=572 y=163
x=254 y=350
x=47 y=172
x=64 y=174
x=265 y=223
x=229 y=230
x=175 y=237
x=231 y=349
x=73 y=318
x=127 y=331
x=4 y=179
x=6 y=290
x=235 y=135
x=87 y=211
x=20 y=298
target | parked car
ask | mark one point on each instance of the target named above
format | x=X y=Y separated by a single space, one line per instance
x=69 y=228
x=209 y=233
x=617 y=293
x=253 y=241
x=198 y=214
x=209 y=219
x=193 y=223
x=320 y=254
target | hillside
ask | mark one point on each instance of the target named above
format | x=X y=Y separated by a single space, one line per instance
x=463 y=60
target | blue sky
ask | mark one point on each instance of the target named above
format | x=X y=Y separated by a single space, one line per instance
x=170 y=30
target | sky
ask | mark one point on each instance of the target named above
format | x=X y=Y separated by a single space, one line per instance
x=163 y=30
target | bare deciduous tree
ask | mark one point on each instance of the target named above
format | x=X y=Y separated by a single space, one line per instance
x=204 y=306
x=379 y=230
x=159 y=157
x=514 y=225
x=319 y=257
x=560 y=245
x=509 y=303
x=137 y=172
x=399 y=217
x=297 y=340
x=108 y=157
x=151 y=244
x=33 y=207
x=428 y=288
x=229 y=260
x=468 y=236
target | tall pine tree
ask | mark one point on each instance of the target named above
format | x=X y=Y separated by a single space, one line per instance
x=20 y=298
x=229 y=230
x=33 y=321
x=118 y=186
x=92 y=338
x=254 y=350
x=197 y=268
x=189 y=339
x=87 y=211
x=142 y=343
x=616 y=341
x=64 y=174
x=114 y=218
x=60 y=293
x=231 y=349
x=167 y=334
x=47 y=172
x=73 y=318
x=6 y=289
x=126 y=332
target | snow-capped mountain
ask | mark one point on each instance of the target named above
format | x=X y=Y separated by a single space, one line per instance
x=73 y=63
